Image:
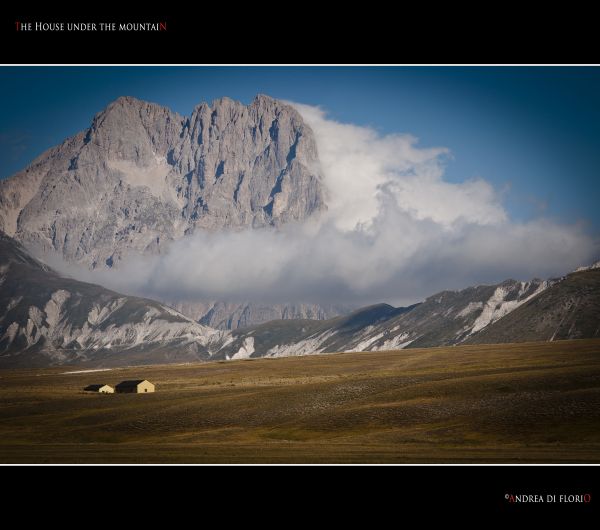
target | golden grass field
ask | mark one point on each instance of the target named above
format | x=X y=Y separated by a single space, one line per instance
x=532 y=402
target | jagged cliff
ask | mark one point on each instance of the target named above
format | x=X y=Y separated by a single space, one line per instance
x=142 y=176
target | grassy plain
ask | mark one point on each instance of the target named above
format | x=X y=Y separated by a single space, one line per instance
x=531 y=402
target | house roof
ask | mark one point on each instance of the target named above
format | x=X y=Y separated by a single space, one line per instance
x=95 y=387
x=133 y=382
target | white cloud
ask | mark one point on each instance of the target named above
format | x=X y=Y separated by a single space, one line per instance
x=362 y=167
x=395 y=231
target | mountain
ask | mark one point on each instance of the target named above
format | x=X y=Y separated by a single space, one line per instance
x=233 y=315
x=46 y=319
x=568 y=310
x=306 y=337
x=508 y=312
x=142 y=176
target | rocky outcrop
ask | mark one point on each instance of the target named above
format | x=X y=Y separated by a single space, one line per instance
x=142 y=176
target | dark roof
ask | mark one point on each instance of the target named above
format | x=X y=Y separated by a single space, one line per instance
x=94 y=388
x=134 y=382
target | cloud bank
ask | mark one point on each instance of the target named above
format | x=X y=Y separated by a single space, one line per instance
x=394 y=231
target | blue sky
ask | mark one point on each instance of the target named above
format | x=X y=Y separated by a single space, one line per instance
x=534 y=133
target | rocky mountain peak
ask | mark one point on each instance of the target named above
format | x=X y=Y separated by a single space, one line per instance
x=142 y=175
x=133 y=130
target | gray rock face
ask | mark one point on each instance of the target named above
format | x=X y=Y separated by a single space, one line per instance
x=142 y=176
